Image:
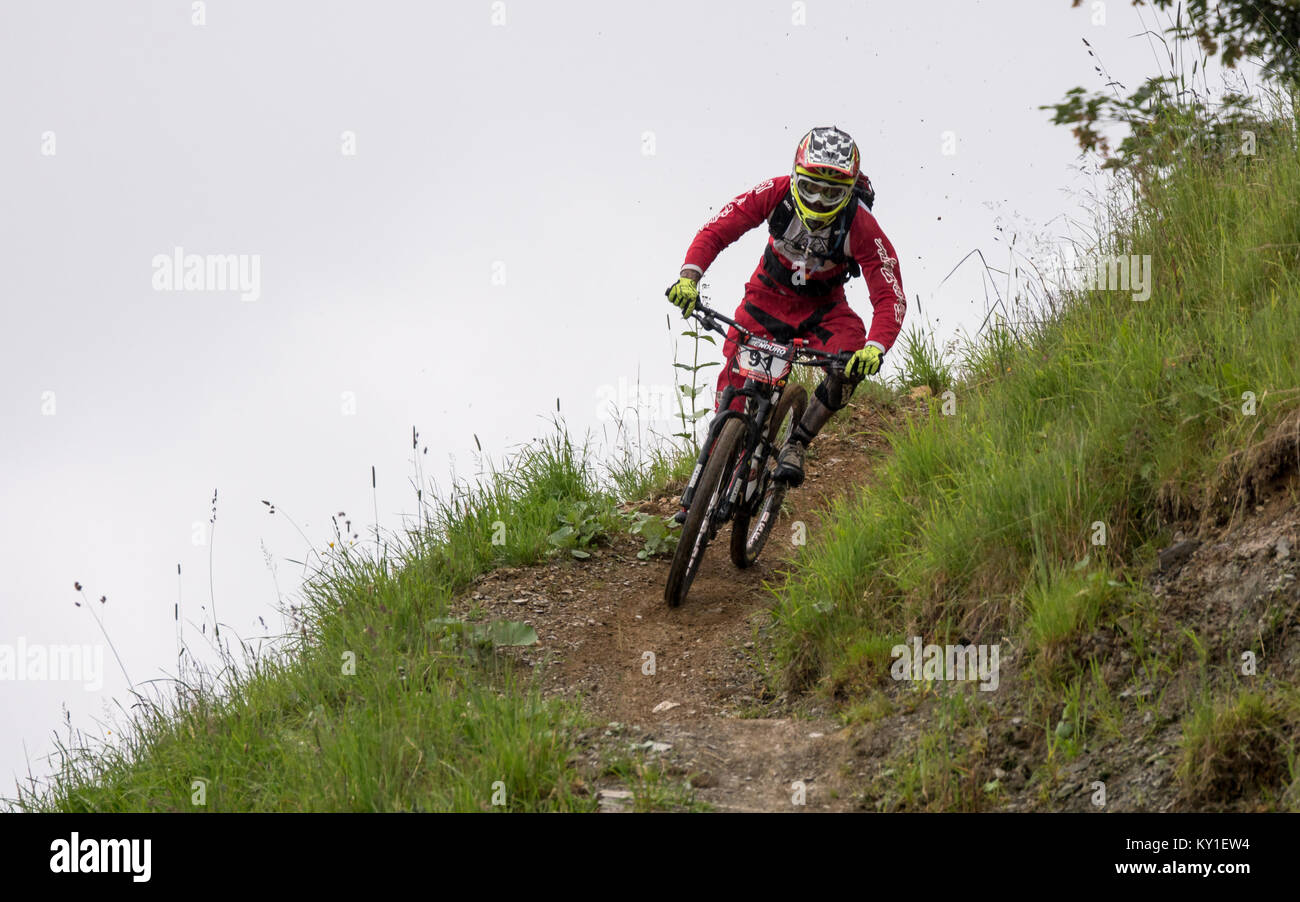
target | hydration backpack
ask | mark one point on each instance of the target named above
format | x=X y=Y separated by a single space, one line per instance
x=779 y=221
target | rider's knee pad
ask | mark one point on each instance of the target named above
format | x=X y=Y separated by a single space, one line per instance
x=834 y=390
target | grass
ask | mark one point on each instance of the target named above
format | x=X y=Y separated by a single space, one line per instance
x=1243 y=744
x=380 y=700
x=1032 y=511
x=946 y=768
x=1060 y=612
x=921 y=362
x=1116 y=412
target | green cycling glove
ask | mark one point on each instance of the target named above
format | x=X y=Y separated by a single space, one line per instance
x=684 y=294
x=864 y=363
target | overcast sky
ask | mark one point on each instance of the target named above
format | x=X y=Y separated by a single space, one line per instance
x=459 y=212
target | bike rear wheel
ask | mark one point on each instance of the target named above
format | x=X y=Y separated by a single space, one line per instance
x=749 y=534
x=699 y=528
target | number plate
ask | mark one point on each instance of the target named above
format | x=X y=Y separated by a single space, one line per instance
x=763 y=361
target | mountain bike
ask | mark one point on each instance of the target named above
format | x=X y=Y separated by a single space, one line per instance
x=733 y=479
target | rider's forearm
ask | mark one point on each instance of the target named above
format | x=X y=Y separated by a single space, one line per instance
x=880 y=270
x=691 y=272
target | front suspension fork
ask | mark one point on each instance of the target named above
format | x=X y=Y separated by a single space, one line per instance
x=729 y=394
x=725 y=413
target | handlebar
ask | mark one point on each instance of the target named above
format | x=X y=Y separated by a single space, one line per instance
x=803 y=355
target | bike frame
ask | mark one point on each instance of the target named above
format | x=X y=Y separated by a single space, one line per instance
x=762 y=399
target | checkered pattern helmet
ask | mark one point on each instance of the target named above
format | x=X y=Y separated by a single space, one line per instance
x=827 y=152
x=826 y=166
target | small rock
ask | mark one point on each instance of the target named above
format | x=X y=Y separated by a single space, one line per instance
x=919 y=392
x=1248 y=550
x=611 y=800
x=1282 y=549
x=1176 y=554
x=664 y=706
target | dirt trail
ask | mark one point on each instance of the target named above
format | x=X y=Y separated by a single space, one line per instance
x=694 y=703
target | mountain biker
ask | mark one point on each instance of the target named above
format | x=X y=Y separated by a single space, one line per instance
x=821 y=233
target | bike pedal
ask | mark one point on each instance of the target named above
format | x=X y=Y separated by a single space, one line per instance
x=789 y=480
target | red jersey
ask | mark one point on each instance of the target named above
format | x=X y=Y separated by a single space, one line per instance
x=807 y=252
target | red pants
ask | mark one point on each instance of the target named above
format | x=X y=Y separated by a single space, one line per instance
x=828 y=325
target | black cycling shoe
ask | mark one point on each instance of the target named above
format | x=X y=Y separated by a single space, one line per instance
x=789 y=464
x=680 y=516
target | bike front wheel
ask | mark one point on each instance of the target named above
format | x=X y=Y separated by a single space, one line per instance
x=700 y=528
x=753 y=523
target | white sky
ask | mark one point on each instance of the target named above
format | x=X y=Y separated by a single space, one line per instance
x=522 y=143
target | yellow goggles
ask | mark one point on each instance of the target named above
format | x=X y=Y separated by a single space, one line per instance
x=817 y=191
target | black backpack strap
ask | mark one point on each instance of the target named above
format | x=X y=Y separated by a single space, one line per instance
x=862 y=191
x=775 y=274
x=779 y=219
